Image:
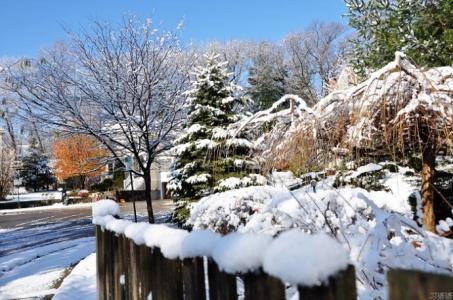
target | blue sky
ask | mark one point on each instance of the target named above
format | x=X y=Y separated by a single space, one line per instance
x=28 y=25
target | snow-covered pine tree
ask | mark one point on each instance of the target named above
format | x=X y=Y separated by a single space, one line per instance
x=209 y=158
x=35 y=171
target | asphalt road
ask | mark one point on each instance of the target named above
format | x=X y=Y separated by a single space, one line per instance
x=37 y=245
x=31 y=217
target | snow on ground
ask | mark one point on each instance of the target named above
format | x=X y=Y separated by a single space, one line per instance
x=81 y=282
x=36 y=274
x=52 y=195
x=38 y=245
x=34 y=256
x=48 y=207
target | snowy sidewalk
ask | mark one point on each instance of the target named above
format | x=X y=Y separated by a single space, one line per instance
x=81 y=281
x=35 y=255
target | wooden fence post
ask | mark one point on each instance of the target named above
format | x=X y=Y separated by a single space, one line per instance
x=156 y=273
x=166 y=277
x=261 y=286
x=339 y=287
x=145 y=266
x=222 y=286
x=417 y=285
x=109 y=262
x=118 y=267
x=193 y=278
x=135 y=283
x=123 y=255
x=100 y=263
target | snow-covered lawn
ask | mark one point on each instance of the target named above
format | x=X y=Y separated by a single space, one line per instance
x=34 y=272
x=38 y=196
x=34 y=259
x=48 y=207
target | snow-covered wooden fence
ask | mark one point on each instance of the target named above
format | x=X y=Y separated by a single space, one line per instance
x=148 y=261
x=411 y=284
x=126 y=270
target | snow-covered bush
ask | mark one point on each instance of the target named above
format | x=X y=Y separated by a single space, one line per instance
x=226 y=212
x=399 y=111
x=376 y=227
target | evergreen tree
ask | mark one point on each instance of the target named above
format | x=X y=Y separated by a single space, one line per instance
x=208 y=157
x=423 y=29
x=35 y=171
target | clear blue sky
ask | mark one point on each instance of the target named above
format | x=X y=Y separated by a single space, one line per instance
x=28 y=25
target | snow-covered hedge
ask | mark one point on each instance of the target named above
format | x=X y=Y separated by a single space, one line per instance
x=376 y=226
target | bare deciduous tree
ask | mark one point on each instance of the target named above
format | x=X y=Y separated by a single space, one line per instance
x=123 y=86
x=6 y=170
x=314 y=54
x=237 y=55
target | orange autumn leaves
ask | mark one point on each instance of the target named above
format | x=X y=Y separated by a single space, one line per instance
x=78 y=155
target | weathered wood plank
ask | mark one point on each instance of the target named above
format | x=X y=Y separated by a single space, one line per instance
x=339 y=287
x=222 y=286
x=128 y=267
x=108 y=261
x=100 y=264
x=417 y=285
x=193 y=278
x=166 y=277
x=135 y=282
x=145 y=267
x=260 y=286
x=124 y=261
x=117 y=267
x=156 y=274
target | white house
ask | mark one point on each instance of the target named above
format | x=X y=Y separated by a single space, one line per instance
x=160 y=170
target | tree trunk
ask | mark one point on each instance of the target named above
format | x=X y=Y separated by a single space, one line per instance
x=428 y=171
x=149 y=205
x=82 y=181
x=12 y=136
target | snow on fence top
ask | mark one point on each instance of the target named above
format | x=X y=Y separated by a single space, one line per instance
x=105 y=207
x=293 y=256
x=199 y=243
x=135 y=232
x=117 y=225
x=241 y=252
x=299 y=258
x=169 y=240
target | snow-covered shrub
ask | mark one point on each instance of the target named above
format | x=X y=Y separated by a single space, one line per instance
x=226 y=212
x=376 y=227
x=445 y=227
